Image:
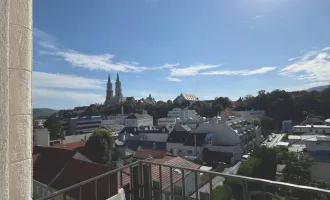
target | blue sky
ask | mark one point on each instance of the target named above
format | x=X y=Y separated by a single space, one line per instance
x=165 y=47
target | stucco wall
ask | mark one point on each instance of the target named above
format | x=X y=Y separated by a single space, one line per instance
x=15 y=99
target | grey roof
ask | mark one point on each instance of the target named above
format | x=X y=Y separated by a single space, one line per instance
x=138 y=116
x=178 y=127
x=114 y=127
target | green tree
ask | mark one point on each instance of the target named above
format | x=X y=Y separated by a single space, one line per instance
x=222 y=192
x=297 y=167
x=99 y=144
x=262 y=158
x=35 y=124
x=53 y=125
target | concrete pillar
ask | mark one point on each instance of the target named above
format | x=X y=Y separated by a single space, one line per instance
x=15 y=99
x=4 y=98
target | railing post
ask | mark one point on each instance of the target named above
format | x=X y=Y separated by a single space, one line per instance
x=160 y=182
x=131 y=184
x=246 y=193
x=135 y=183
x=80 y=193
x=95 y=190
x=171 y=182
x=183 y=185
x=265 y=192
x=196 y=185
x=211 y=187
x=147 y=190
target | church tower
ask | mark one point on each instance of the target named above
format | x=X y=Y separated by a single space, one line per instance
x=118 y=94
x=109 y=95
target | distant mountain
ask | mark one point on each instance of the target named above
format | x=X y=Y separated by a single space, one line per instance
x=318 y=88
x=43 y=112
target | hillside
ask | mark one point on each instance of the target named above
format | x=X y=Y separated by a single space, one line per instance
x=43 y=112
x=318 y=88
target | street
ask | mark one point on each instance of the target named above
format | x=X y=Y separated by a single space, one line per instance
x=278 y=137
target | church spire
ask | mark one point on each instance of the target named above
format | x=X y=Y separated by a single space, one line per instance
x=118 y=92
x=109 y=95
x=117 y=78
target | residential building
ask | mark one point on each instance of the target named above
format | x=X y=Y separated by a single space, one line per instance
x=317 y=146
x=148 y=100
x=311 y=129
x=176 y=139
x=226 y=138
x=181 y=116
x=41 y=137
x=185 y=98
x=247 y=115
x=138 y=120
x=80 y=125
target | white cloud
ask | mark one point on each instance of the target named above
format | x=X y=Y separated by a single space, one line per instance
x=312 y=66
x=77 y=97
x=256 y=17
x=191 y=70
x=261 y=70
x=173 y=79
x=47 y=45
x=49 y=80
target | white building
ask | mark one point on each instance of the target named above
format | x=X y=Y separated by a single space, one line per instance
x=79 y=125
x=185 y=98
x=231 y=138
x=247 y=115
x=41 y=137
x=311 y=129
x=181 y=116
x=138 y=120
x=147 y=134
x=317 y=146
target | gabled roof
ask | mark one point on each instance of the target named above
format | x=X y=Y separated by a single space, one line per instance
x=189 y=97
x=145 y=153
x=176 y=174
x=77 y=171
x=70 y=146
x=49 y=163
x=179 y=134
x=197 y=138
x=135 y=144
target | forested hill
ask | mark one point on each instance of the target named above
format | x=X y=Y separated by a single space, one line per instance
x=278 y=104
x=43 y=112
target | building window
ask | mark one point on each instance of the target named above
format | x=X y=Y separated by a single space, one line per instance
x=318 y=143
x=190 y=151
x=38 y=192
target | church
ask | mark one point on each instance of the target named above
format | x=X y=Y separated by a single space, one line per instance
x=110 y=98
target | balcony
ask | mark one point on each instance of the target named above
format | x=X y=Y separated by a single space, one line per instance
x=148 y=180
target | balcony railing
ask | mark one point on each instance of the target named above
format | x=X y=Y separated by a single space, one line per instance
x=148 y=180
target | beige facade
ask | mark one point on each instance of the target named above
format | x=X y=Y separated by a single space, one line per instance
x=15 y=99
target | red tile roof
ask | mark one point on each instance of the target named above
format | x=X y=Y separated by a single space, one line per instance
x=49 y=163
x=145 y=153
x=70 y=146
x=169 y=160
x=165 y=171
x=77 y=171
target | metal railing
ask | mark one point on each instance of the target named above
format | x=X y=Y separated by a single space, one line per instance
x=148 y=180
